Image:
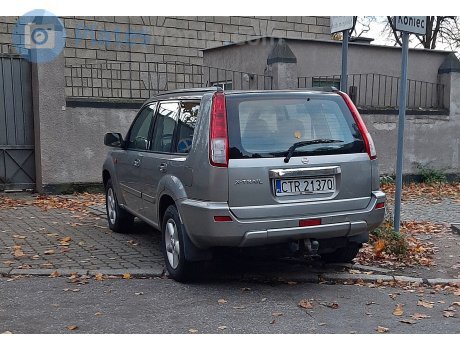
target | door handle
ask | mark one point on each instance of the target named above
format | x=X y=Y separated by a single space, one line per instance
x=137 y=162
x=163 y=167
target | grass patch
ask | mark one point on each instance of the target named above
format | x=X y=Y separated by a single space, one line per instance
x=385 y=239
x=430 y=175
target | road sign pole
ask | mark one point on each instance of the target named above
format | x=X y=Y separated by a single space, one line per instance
x=344 y=76
x=402 y=117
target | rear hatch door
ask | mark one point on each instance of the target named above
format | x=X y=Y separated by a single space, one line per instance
x=332 y=174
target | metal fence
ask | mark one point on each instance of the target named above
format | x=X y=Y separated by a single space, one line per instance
x=130 y=80
x=372 y=90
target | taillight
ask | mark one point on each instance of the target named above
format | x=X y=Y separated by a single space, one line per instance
x=368 y=142
x=218 y=139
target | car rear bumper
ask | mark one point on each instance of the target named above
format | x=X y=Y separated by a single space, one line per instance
x=198 y=218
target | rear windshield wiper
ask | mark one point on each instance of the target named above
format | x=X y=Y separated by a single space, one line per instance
x=306 y=143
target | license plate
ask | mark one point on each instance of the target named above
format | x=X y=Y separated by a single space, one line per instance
x=292 y=187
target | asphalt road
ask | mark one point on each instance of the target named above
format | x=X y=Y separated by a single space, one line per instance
x=49 y=305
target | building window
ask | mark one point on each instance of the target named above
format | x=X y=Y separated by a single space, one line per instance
x=326 y=82
x=225 y=85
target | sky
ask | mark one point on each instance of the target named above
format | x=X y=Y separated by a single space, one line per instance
x=376 y=32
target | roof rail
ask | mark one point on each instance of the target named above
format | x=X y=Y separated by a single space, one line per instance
x=181 y=91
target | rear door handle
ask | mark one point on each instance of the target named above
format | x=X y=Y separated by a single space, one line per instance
x=163 y=167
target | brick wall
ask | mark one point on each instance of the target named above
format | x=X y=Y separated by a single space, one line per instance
x=140 y=43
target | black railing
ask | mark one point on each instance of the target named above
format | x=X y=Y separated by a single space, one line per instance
x=372 y=90
x=132 y=80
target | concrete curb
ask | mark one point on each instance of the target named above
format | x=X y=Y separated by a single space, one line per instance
x=136 y=273
x=299 y=277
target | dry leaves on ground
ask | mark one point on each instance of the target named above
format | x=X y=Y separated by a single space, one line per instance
x=416 y=191
x=381 y=329
x=418 y=252
x=417 y=316
x=398 y=311
x=305 y=304
x=77 y=203
x=425 y=304
x=72 y=328
x=222 y=301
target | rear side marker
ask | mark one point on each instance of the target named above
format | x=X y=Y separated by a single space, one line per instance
x=380 y=205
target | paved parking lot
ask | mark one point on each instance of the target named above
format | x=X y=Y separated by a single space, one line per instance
x=44 y=239
x=58 y=239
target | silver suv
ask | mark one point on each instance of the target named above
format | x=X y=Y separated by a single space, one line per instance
x=212 y=169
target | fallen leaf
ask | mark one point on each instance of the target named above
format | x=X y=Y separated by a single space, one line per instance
x=276 y=314
x=8 y=262
x=99 y=277
x=72 y=328
x=222 y=301
x=417 y=316
x=18 y=253
x=65 y=239
x=98 y=314
x=398 y=311
x=139 y=293
x=448 y=314
x=425 y=304
x=408 y=321
x=273 y=321
x=126 y=276
x=55 y=274
x=381 y=329
x=331 y=305
x=48 y=252
x=379 y=246
x=19 y=237
x=457 y=303
x=305 y=304
x=222 y=328
x=192 y=330
x=245 y=289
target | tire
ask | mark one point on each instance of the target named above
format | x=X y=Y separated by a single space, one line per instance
x=119 y=220
x=342 y=255
x=172 y=244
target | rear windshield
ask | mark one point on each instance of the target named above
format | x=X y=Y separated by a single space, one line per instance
x=262 y=125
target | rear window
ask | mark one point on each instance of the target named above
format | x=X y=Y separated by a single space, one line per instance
x=263 y=125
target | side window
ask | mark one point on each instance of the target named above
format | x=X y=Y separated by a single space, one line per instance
x=186 y=125
x=165 y=125
x=139 y=133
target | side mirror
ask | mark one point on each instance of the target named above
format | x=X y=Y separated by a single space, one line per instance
x=113 y=139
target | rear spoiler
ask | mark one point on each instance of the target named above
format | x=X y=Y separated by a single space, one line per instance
x=322 y=88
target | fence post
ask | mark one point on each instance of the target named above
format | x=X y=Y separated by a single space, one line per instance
x=283 y=64
x=449 y=76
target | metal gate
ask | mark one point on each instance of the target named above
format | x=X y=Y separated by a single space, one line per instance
x=17 y=160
